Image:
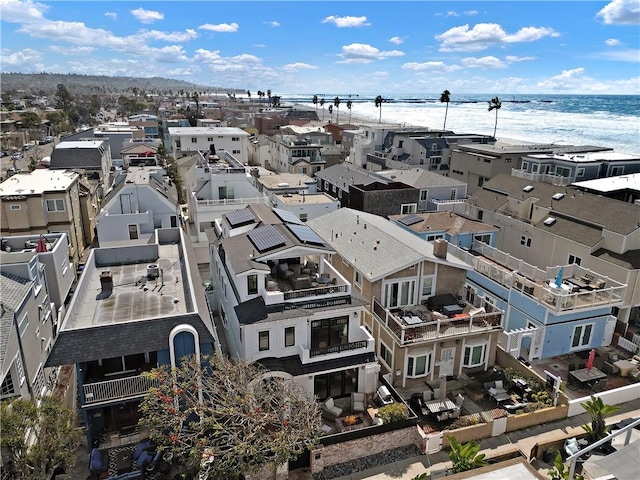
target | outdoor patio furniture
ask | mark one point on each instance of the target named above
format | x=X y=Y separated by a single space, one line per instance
x=459 y=400
x=357 y=402
x=284 y=272
x=496 y=390
x=330 y=410
x=383 y=396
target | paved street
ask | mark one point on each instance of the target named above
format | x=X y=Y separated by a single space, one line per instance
x=35 y=151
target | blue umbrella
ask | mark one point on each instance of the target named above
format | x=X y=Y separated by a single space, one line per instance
x=558 y=281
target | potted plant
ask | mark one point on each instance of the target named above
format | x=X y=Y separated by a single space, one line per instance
x=597 y=410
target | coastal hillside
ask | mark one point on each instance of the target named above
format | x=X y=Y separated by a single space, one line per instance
x=47 y=83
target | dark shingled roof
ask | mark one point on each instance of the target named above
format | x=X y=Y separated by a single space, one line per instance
x=293 y=366
x=89 y=158
x=12 y=291
x=629 y=259
x=251 y=311
x=611 y=214
x=87 y=344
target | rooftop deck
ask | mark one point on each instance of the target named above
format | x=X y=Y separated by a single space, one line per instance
x=134 y=294
x=580 y=287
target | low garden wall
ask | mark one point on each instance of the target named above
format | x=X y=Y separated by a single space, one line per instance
x=350 y=450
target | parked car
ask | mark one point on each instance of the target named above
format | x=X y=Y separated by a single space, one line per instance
x=17 y=156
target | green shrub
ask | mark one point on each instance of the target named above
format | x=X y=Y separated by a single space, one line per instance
x=393 y=412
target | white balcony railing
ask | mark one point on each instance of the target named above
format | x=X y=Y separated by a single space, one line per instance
x=117 y=389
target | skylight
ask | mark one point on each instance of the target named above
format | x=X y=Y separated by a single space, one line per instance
x=528 y=188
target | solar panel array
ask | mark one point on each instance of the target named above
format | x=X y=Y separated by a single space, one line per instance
x=287 y=217
x=410 y=219
x=240 y=217
x=305 y=234
x=266 y=237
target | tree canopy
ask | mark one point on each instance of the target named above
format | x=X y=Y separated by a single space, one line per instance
x=232 y=411
x=53 y=426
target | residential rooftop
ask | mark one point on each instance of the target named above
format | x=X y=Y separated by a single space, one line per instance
x=72 y=144
x=594 y=212
x=285 y=180
x=611 y=184
x=585 y=157
x=442 y=221
x=419 y=177
x=37 y=182
x=299 y=199
x=207 y=130
x=147 y=282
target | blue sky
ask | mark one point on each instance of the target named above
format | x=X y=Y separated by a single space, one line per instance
x=363 y=47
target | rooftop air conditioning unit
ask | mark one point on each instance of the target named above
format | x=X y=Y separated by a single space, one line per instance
x=153 y=271
x=558 y=196
x=528 y=188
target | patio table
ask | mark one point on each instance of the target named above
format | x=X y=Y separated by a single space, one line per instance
x=585 y=375
x=412 y=320
x=439 y=406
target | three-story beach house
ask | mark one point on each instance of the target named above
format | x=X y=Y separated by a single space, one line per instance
x=285 y=305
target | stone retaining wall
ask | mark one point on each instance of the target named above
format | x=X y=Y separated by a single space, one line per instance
x=327 y=455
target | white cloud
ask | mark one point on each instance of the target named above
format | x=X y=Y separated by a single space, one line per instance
x=111 y=15
x=221 y=27
x=438 y=67
x=451 y=13
x=470 y=13
x=273 y=24
x=147 y=16
x=484 y=35
x=514 y=59
x=567 y=80
x=396 y=40
x=628 y=55
x=15 y=11
x=363 y=53
x=299 y=66
x=485 y=63
x=66 y=50
x=347 y=22
x=168 y=54
x=185 y=36
x=621 y=12
x=21 y=58
x=612 y=42
x=207 y=56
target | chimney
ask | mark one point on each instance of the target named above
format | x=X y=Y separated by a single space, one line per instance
x=440 y=248
x=106 y=282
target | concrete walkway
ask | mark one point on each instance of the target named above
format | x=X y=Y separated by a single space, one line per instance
x=512 y=442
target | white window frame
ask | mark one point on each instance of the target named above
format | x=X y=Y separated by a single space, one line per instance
x=383 y=355
x=357 y=278
x=574 y=259
x=387 y=289
x=260 y=348
x=580 y=331
x=294 y=336
x=424 y=195
x=17 y=361
x=23 y=324
x=412 y=365
x=407 y=208
x=424 y=282
x=55 y=205
x=16 y=207
x=580 y=172
x=471 y=347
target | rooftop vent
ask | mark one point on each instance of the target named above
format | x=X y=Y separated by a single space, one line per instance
x=106 y=281
x=549 y=221
x=558 y=196
x=528 y=188
x=153 y=271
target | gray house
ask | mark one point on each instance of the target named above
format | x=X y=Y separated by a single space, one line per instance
x=91 y=155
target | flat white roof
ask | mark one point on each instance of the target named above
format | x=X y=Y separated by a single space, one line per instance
x=38 y=182
x=585 y=157
x=612 y=184
x=80 y=144
x=207 y=131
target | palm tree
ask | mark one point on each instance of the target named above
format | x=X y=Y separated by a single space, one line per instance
x=249 y=95
x=314 y=100
x=196 y=98
x=597 y=410
x=495 y=104
x=336 y=103
x=444 y=98
x=322 y=105
x=349 y=103
x=465 y=457
x=379 y=101
x=269 y=95
x=330 y=113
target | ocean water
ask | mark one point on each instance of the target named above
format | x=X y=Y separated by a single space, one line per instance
x=599 y=120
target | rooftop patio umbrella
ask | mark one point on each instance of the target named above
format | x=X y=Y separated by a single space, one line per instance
x=558 y=280
x=443 y=387
x=42 y=245
x=592 y=357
